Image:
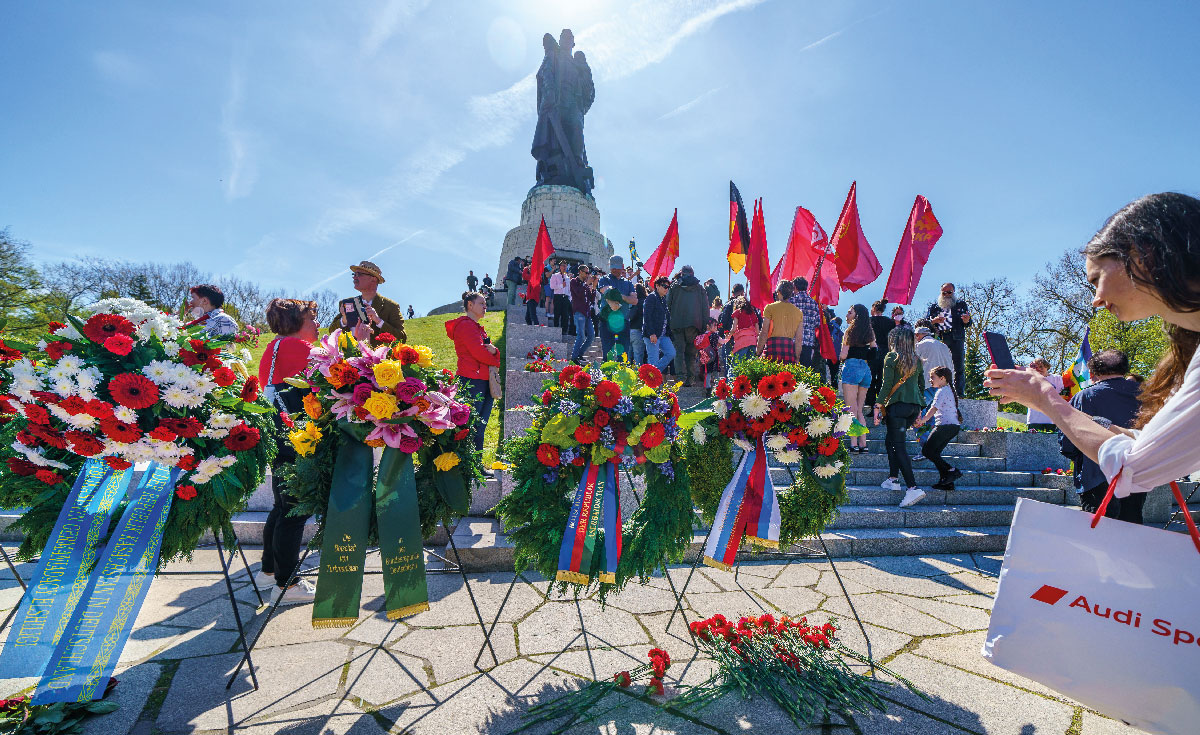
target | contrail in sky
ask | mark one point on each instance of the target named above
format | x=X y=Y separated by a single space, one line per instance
x=342 y=272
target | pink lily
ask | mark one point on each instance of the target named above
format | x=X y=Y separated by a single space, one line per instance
x=392 y=434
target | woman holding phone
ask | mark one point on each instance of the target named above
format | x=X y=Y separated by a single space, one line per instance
x=1143 y=263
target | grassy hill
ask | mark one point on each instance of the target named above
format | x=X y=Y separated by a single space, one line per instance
x=431 y=331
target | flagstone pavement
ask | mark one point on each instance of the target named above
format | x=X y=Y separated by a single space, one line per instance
x=925 y=617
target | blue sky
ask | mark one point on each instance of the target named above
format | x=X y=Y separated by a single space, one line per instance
x=282 y=141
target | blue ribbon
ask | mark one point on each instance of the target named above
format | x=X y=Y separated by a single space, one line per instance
x=63 y=570
x=88 y=650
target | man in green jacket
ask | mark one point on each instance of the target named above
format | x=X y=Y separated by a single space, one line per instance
x=688 y=304
x=378 y=314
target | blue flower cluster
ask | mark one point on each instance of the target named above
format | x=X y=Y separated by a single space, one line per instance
x=667 y=469
x=566 y=456
x=658 y=406
x=623 y=407
x=608 y=438
x=551 y=476
x=567 y=407
x=670 y=427
x=627 y=460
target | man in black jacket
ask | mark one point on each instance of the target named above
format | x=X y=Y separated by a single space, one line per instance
x=656 y=329
x=882 y=326
x=1112 y=396
x=512 y=279
x=689 y=311
x=950 y=317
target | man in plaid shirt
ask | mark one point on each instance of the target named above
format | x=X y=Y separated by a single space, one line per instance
x=812 y=317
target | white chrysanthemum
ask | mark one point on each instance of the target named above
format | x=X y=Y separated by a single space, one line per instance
x=65 y=387
x=125 y=414
x=69 y=332
x=174 y=396
x=35 y=456
x=41 y=345
x=203 y=385
x=59 y=372
x=244 y=355
x=89 y=378
x=172 y=349
x=776 y=442
x=226 y=461
x=81 y=421
x=844 y=422
x=159 y=371
x=819 y=426
x=222 y=421
x=192 y=399
x=755 y=406
x=825 y=471
x=211 y=433
x=698 y=434
x=797 y=397
x=72 y=363
x=149 y=321
x=722 y=408
x=788 y=456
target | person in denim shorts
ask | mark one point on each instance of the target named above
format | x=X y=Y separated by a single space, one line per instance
x=858 y=350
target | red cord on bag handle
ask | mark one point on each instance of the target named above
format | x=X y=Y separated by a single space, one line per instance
x=1187 y=516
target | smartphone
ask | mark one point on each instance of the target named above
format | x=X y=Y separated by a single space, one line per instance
x=997 y=347
x=351 y=311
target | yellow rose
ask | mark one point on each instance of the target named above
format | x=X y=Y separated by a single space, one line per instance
x=381 y=405
x=446 y=461
x=388 y=373
x=305 y=440
x=426 y=356
x=346 y=341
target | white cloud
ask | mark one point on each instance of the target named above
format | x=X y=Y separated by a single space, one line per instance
x=119 y=67
x=690 y=104
x=391 y=18
x=646 y=34
x=243 y=166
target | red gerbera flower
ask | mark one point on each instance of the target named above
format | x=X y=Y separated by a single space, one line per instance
x=50 y=477
x=763 y=425
x=21 y=467
x=250 y=390
x=186 y=492
x=742 y=386
x=651 y=376
x=582 y=380
x=223 y=377
x=722 y=389
x=823 y=399
x=117 y=463
x=97 y=408
x=102 y=326
x=787 y=382
x=241 y=438
x=188 y=463
x=828 y=446
x=73 y=405
x=35 y=413
x=547 y=454
x=780 y=412
x=601 y=417
x=133 y=391
x=119 y=344
x=578 y=461
x=586 y=434
x=187 y=427
x=119 y=431
x=653 y=435
x=55 y=350
x=83 y=443
x=568 y=374
x=163 y=434
x=737 y=421
x=798 y=436
x=49 y=436
x=768 y=387
x=607 y=393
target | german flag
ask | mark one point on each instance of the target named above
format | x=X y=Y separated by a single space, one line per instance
x=739 y=231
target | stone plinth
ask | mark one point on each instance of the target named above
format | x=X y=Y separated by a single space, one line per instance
x=978 y=414
x=1022 y=451
x=572 y=220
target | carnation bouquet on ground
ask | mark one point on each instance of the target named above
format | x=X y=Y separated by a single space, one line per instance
x=590 y=427
x=541 y=360
x=129 y=385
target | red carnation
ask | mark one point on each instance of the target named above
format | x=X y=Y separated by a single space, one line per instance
x=186 y=492
x=55 y=350
x=582 y=380
x=49 y=436
x=97 y=408
x=45 y=396
x=742 y=386
x=21 y=467
x=651 y=376
x=547 y=396
x=768 y=387
x=35 y=413
x=250 y=389
x=83 y=443
x=9 y=354
x=187 y=462
x=119 y=344
x=461 y=434
x=241 y=438
x=578 y=461
x=133 y=391
x=407 y=355
x=119 y=431
x=286 y=418
x=622 y=679
x=27 y=439
x=163 y=434
x=547 y=454
x=586 y=434
x=828 y=446
x=102 y=326
x=50 y=477
x=117 y=463
x=223 y=377
x=384 y=338
x=73 y=405
x=722 y=389
x=653 y=435
x=607 y=393
x=601 y=417
x=187 y=427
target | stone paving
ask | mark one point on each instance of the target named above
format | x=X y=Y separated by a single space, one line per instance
x=925 y=616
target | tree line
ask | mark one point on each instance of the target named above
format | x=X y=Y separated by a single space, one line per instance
x=32 y=294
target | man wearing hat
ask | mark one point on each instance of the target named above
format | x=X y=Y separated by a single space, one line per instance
x=614 y=323
x=375 y=314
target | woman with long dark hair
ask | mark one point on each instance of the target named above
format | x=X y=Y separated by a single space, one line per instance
x=858 y=349
x=782 y=332
x=1144 y=262
x=901 y=395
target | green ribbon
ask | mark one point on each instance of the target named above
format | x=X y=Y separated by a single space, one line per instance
x=404 y=588
x=344 y=546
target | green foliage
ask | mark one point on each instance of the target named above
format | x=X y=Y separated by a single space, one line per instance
x=975 y=368
x=19 y=717
x=710 y=468
x=1143 y=342
x=810 y=504
x=757 y=368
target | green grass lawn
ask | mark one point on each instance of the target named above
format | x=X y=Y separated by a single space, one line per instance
x=431 y=331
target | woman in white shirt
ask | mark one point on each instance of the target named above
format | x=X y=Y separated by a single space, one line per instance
x=1035 y=419
x=1144 y=262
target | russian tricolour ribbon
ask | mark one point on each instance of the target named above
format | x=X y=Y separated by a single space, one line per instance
x=749 y=510
x=597 y=501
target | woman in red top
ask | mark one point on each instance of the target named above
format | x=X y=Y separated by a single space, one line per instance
x=295 y=323
x=475 y=355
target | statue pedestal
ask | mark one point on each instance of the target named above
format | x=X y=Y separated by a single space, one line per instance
x=573 y=221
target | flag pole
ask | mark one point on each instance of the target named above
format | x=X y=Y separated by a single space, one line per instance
x=729 y=282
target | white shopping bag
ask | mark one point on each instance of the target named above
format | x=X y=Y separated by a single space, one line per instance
x=1109 y=616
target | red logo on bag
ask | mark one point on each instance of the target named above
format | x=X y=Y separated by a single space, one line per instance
x=1049 y=595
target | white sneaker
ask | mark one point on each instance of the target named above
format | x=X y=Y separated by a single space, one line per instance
x=891 y=484
x=263 y=580
x=918 y=458
x=912 y=496
x=300 y=593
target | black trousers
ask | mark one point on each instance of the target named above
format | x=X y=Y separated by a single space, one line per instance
x=564 y=318
x=1128 y=509
x=281 y=537
x=531 y=316
x=876 y=379
x=899 y=417
x=960 y=370
x=937 y=441
x=835 y=371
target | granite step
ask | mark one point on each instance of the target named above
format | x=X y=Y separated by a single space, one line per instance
x=962 y=495
x=953 y=449
x=880 y=461
x=921 y=516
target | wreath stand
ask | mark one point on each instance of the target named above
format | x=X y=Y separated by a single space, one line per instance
x=449 y=568
x=225 y=567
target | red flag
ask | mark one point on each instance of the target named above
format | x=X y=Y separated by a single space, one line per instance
x=739 y=233
x=662 y=260
x=823 y=283
x=825 y=339
x=857 y=265
x=758 y=264
x=806 y=247
x=920 y=236
x=542 y=251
